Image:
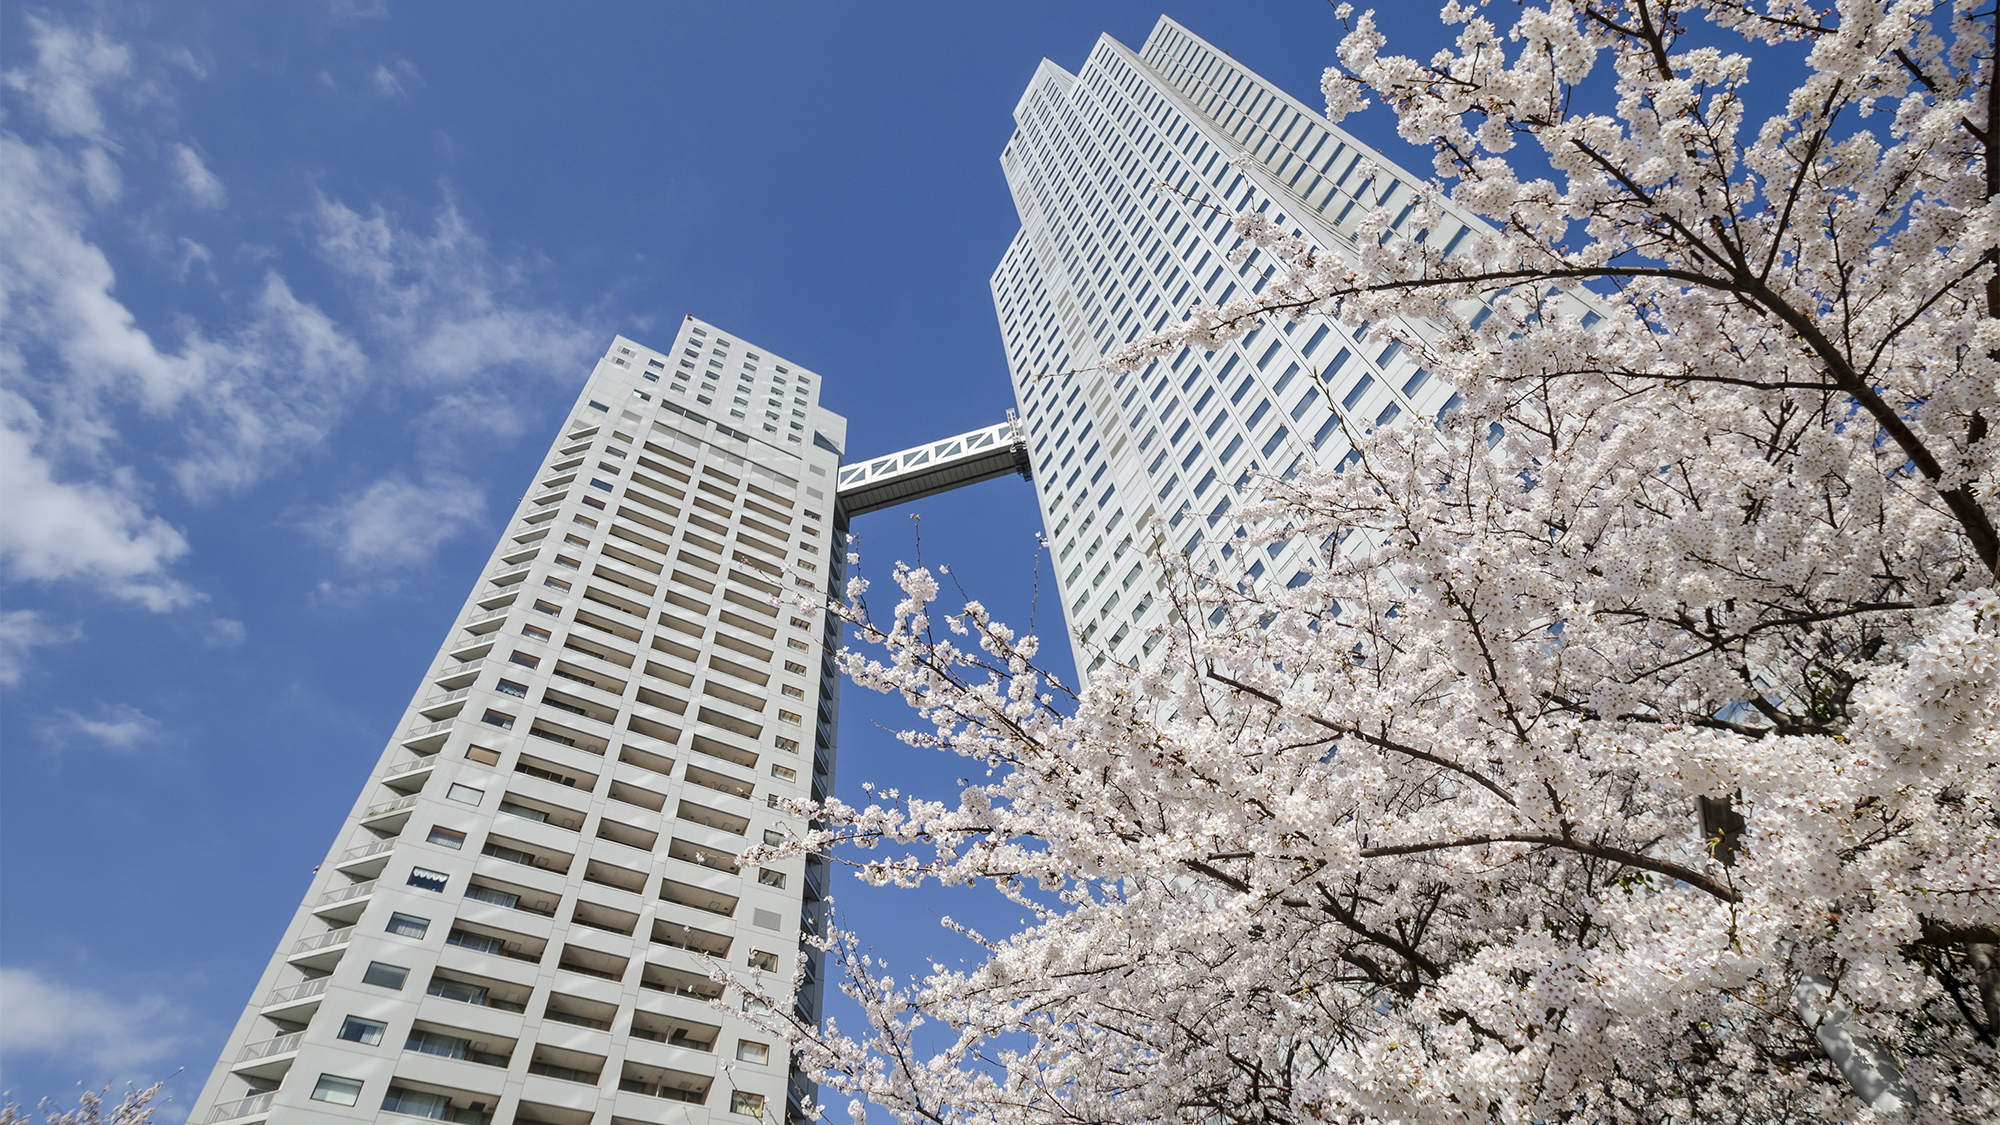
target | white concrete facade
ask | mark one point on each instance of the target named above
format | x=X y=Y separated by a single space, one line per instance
x=1103 y=256
x=514 y=923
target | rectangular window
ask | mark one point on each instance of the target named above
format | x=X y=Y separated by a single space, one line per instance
x=784 y=773
x=1307 y=351
x=554 y=583
x=1285 y=380
x=770 y=878
x=788 y=717
x=1360 y=389
x=465 y=793
x=385 y=976
x=746 y=1051
x=336 y=1090
x=525 y=659
x=1207 y=479
x=509 y=687
x=445 y=837
x=424 y=878
x=1191 y=455
x=773 y=837
x=408 y=925
x=536 y=631
x=746 y=1103
x=498 y=718
x=368 y=1033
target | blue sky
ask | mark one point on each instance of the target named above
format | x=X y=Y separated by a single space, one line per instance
x=291 y=297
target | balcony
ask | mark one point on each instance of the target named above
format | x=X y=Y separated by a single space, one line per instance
x=256 y=1107
x=269 y=1059
x=488 y=621
x=301 y=998
x=320 y=952
x=429 y=738
x=344 y=904
x=446 y=705
x=510 y=577
x=355 y=862
x=457 y=675
x=389 y=815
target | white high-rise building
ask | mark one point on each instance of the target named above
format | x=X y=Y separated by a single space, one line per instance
x=513 y=924
x=1103 y=256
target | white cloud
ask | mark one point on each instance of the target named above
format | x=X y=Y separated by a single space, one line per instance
x=396 y=522
x=444 y=297
x=69 y=67
x=225 y=632
x=52 y=530
x=116 y=726
x=386 y=84
x=47 y=1017
x=22 y=630
x=201 y=185
x=227 y=400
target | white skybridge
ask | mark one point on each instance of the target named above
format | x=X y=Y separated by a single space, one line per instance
x=935 y=467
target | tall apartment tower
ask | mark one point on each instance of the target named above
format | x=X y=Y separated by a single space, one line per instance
x=1102 y=256
x=515 y=922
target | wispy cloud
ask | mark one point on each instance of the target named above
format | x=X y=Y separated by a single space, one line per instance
x=50 y=1018
x=69 y=68
x=201 y=185
x=115 y=726
x=396 y=522
x=21 y=632
x=89 y=530
x=454 y=309
x=429 y=311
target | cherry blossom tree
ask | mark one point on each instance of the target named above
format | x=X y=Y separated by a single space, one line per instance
x=134 y=1108
x=1629 y=753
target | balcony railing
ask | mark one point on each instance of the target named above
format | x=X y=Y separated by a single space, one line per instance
x=322 y=941
x=423 y=763
x=365 y=850
x=342 y=894
x=242 y=1107
x=489 y=615
x=299 y=991
x=271 y=1047
x=448 y=697
x=388 y=807
x=428 y=728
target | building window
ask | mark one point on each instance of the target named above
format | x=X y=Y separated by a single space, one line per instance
x=497 y=718
x=407 y=925
x=426 y=879
x=768 y=962
x=747 y=1104
x=784 y=773
x=524 y=659
x=509 y=687
x=788 y=717
x=555 y=583
x=770 y=878
x=368 y=1033
x=773 y=837
x=746 y=1051
x=413 y=1103
x=385 y=976
x=536 y=631
x=336 y=1090
x=446 y=837
x=465 y=794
